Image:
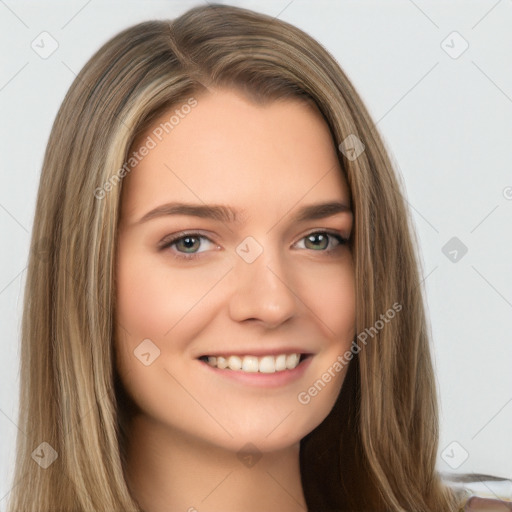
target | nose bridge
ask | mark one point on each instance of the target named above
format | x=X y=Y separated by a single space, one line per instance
x=261 y=288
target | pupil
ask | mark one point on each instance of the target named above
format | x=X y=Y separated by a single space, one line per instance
x=188 y=242
x=321 y=238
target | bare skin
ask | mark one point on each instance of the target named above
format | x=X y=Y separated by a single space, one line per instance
x=187 y=449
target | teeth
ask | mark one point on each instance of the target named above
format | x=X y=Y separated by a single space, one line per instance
x=267 y=364
x=222 y=362
x=292 y=361
x=249 y=364
x=234 y=363
x=281 y=363
x=253 y=364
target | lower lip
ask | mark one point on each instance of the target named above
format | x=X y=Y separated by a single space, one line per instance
x=263 y=380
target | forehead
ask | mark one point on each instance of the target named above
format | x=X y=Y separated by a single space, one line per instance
x=228 y=149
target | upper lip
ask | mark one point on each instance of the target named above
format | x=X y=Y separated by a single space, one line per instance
x=257 y=352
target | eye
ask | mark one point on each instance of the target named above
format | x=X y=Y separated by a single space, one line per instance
x=186 y=244
x=319 y=241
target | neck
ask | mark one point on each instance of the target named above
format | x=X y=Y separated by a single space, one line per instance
x=170 y=471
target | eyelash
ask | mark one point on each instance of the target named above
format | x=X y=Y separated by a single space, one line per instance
x=167 y=243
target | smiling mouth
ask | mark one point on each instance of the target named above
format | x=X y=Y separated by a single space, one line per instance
x=254 y=364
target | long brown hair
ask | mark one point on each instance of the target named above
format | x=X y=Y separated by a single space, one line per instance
x=377 y=449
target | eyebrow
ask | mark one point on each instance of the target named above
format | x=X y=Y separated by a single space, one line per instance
x=230 y=215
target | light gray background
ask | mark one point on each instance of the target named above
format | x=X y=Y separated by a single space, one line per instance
x=447 y=122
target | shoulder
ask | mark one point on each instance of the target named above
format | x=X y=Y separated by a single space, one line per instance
x=480 y=492
x=477 y=504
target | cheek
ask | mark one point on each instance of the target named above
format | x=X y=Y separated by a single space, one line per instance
x=140 y=300
x=329 y=291
x=153 y=296
x=144 y=309
x=158 y=302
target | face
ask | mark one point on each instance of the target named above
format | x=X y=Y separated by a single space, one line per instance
x=227 y=258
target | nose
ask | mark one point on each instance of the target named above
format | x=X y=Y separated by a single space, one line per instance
x=262 y=291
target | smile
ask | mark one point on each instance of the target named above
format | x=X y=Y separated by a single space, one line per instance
x=254 y=364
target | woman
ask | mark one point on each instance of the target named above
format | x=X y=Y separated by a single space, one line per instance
x=267 y=371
